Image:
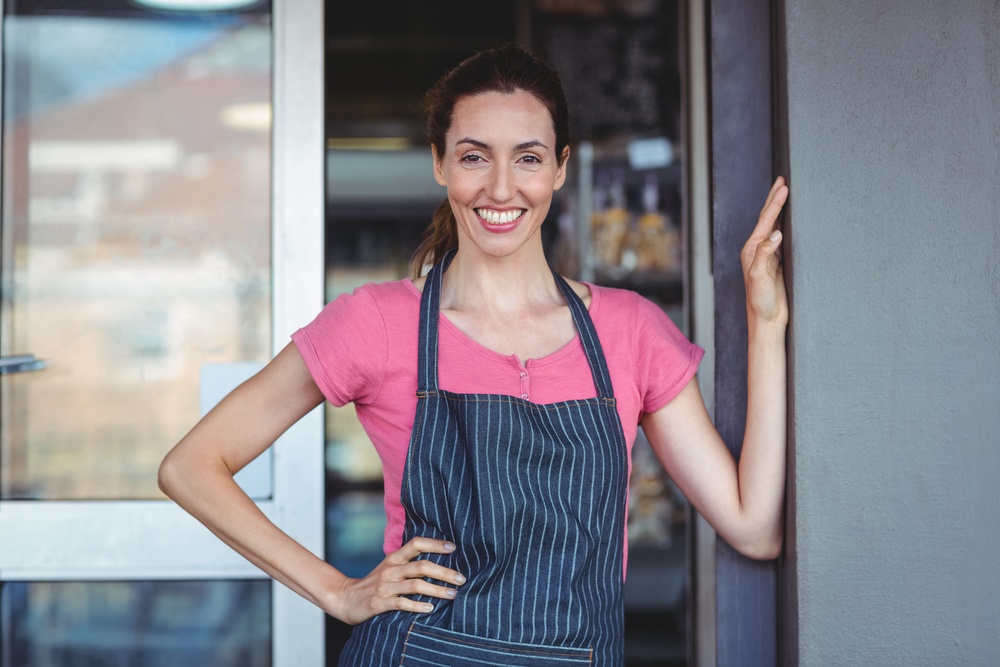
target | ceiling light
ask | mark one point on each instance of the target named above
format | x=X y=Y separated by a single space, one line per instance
x=196 y=5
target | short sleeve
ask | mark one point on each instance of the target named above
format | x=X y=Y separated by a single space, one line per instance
x=345 y=348
x=666 y=359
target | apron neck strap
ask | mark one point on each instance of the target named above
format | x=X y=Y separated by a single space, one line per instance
x=588 y=338
x=430 y=312
x=430 y=309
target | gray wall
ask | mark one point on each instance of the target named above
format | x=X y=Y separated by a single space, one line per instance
x=892 y=112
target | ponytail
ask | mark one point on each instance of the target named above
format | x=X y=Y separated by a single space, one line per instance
x=439 y=237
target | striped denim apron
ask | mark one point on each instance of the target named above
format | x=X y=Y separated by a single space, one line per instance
x=534 y=498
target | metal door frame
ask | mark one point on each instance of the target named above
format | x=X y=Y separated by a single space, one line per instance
x=156 y=540
x=743 y=138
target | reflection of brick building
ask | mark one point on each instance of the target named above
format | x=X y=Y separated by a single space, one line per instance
x=137 y=250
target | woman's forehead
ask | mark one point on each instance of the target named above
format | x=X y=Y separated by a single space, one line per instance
x=512 y=118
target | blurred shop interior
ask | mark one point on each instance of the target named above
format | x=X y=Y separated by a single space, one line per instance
x=618 y=221
x=137 y=276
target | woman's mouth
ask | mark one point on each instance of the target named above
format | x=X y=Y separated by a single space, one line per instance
x=499 y=218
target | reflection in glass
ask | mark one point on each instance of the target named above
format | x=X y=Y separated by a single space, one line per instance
x=148 y=623
x=136 y=238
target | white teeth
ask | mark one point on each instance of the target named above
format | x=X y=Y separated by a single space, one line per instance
x=497 y=217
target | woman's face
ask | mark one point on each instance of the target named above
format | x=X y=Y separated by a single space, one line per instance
x=500 y=167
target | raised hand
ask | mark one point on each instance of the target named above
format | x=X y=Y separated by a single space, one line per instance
x=399 y=575
x=767 y=302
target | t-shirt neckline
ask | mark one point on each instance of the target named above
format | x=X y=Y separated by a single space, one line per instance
x=554 y=356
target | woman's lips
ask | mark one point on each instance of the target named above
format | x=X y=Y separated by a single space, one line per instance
x=500 y=221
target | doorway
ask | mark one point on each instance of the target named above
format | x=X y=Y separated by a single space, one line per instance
x=620 y=221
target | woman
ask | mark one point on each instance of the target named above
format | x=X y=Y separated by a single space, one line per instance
x=503 y=401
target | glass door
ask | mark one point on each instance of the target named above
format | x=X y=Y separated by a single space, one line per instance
x=159 y=222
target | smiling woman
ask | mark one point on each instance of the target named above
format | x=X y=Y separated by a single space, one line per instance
x=503 y=401
x=500 y=181
x=477 y=98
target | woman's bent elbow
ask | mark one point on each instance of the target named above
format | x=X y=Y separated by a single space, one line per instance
x=163 y=476
x=762 y=549
x=771 y=551
x=759 y=542
x=169 y=475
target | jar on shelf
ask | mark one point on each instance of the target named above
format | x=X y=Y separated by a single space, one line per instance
x=610 y=224
x=657 y=240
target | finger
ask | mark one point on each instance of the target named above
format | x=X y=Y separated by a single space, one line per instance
x=421 y=587
x=406 y=604
x=754 y=247
x=420 y=545
x=765 y=252
x=778 y=182
x=427 y=569
x=773 y=241
x=394 y=596
x=769 y=214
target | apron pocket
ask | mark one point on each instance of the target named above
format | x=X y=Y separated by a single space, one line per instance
x=426 y=645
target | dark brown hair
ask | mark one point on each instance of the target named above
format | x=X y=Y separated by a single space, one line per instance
x=504 y=69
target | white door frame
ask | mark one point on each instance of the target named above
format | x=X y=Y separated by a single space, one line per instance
x=298 y=268
x=156 y=540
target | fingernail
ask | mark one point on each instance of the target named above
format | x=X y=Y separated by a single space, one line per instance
x=451 y=592
x=459 y=579
x=775 y=236
x=428 y=607
x=448 y=546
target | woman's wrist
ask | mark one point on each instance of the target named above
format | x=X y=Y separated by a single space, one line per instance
x=331 y=594
x=766 y=332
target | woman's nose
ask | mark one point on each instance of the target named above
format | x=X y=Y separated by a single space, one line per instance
x=501 y=185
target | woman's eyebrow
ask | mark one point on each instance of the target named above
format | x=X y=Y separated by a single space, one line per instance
x=534 y=143
x=474 y=142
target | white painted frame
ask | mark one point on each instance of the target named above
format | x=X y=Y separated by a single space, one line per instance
x=156 y=540
x=298 y=203
x=701 y=301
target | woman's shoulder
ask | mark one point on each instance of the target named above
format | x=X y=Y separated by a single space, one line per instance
x=390 y=289
x=397 y=303
x=627 y=313
x=372 y=304
x=615 y=302
x=389 y=295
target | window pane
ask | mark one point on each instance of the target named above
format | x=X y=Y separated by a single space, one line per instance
x=148 y=623
x=136 y=237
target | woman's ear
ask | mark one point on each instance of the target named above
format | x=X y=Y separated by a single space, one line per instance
x=438 y=167
x=561 y=173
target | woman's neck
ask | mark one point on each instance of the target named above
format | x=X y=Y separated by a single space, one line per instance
x=510 y=305
x=518 y=283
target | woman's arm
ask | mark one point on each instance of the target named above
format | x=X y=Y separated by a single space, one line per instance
x=198 y=474
x=743 y=502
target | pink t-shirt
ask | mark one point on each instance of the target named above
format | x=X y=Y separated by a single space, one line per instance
x=362 y=347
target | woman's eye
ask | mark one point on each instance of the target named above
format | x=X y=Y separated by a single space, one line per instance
x=473 y=159
x=531 y=159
